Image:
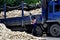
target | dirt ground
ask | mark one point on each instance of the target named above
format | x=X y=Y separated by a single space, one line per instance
x=7 y=34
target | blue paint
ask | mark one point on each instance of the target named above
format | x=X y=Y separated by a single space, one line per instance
x=54 y=15
x=5 y=10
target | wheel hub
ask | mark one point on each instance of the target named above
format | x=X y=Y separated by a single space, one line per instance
x=55 y=30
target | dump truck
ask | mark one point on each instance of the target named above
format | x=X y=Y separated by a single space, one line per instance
x=48 y=22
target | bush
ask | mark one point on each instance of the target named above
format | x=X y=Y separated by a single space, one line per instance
x=10 y=2
x=17 y=2
x=1 y=1
x=31 y=1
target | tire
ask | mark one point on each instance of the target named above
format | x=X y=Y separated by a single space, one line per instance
x=55 y=30
x=37 y=31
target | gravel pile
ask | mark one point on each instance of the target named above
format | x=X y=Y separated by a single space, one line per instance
x=7 y=34
x=17 y=13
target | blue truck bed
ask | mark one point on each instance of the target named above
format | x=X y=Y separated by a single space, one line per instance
x=18 y=20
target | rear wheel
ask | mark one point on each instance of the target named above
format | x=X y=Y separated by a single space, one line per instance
x=37 y=31
x=54 y=30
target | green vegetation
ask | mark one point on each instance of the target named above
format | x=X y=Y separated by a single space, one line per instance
x=17 y=2
x=1 y=1
x=31 y=1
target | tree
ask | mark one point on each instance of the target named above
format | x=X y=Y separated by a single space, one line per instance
x=17 y=2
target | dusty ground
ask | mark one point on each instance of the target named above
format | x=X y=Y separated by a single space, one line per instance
x=7 y=34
